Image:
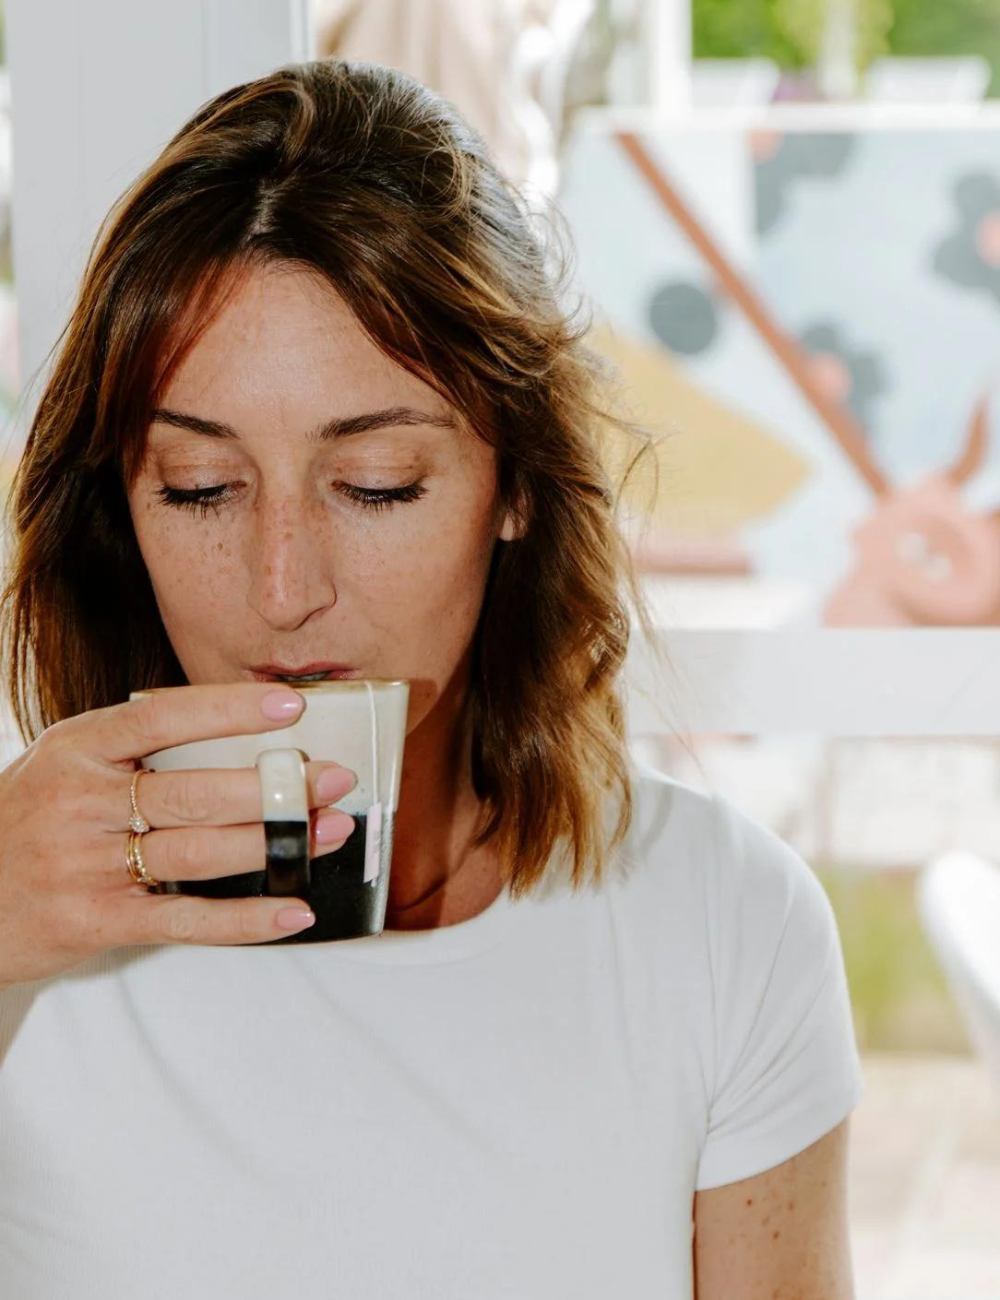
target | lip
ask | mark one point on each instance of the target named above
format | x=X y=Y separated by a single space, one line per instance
x=265 y=672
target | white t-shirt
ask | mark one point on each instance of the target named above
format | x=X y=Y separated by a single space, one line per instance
x=518 y=1107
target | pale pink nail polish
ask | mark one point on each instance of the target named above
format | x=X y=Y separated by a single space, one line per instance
x=294 y=918
x=279 y=705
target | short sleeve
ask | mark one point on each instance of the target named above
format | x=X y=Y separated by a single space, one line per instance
x=785 y=1063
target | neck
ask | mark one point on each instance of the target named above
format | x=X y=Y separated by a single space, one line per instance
x=436 y=878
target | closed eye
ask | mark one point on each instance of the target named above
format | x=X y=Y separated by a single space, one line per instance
x=214 y=498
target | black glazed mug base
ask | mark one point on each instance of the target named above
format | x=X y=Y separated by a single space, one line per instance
x=344 y=904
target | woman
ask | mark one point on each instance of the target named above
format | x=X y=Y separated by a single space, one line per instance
x=318 y=402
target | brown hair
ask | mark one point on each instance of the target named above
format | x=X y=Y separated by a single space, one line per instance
x=363 y=175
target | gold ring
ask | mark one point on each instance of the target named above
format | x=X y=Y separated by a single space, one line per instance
x=136 y=867
x=137 y=822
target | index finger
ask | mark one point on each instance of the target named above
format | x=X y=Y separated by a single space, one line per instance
x=174 y=715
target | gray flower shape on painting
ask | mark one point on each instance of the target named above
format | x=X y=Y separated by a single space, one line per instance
x=684 y=317
x=970 y=255
x=782 y=160
x=845 y=374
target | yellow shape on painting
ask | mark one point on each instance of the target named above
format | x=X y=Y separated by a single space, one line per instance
x=718 y=469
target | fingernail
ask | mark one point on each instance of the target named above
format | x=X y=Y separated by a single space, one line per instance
x=334 y=782
x=294 y=918
x=279 y=705
x=331 y=828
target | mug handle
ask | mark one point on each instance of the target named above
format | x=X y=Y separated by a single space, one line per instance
x=285 y=807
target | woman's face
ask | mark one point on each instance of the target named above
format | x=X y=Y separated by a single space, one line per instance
x=291 y=565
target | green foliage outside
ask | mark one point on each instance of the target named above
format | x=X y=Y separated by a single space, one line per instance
x=899 y=995
x=787 y=31
x=741 y=29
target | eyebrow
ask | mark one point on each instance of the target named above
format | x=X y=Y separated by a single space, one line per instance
x=338 y=427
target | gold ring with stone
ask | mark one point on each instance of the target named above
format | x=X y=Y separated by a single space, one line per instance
x=136 y=821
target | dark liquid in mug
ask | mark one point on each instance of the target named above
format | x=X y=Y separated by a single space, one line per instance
x=345 y=906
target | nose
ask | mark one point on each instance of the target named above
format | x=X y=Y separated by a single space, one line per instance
x=288 y=579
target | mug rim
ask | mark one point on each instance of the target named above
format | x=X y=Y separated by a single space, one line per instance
x=302 y=686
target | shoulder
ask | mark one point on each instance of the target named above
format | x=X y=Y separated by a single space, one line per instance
x=753 y=947
x=749 y=891
x=734 y=853
x=764 y=884
x=671 y=821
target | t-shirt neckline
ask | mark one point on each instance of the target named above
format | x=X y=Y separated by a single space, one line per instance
x=420 y=947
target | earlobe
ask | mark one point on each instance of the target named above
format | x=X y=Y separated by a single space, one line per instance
x=515 y=518
x=512 y=528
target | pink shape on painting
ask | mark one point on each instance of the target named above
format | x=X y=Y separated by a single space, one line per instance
x=831 y=375
x=988 y=239
x=764 y=144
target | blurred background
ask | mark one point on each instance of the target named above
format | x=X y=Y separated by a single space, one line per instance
x=786 y=217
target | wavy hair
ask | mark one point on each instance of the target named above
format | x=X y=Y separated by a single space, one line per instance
x=375 y=183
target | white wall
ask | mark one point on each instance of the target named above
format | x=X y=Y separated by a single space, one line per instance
x=97 y=88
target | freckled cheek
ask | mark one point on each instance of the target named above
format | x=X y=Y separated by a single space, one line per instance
x=438 y=586
x=189 y=575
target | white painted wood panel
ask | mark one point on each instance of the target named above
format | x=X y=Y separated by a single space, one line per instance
x=97 y=89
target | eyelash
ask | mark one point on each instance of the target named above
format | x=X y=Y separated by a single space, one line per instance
x=213 y=498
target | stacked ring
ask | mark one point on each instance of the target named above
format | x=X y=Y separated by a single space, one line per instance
x=136 y=867
x=138 y=826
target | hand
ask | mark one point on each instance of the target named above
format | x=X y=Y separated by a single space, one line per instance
x=65 y=890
